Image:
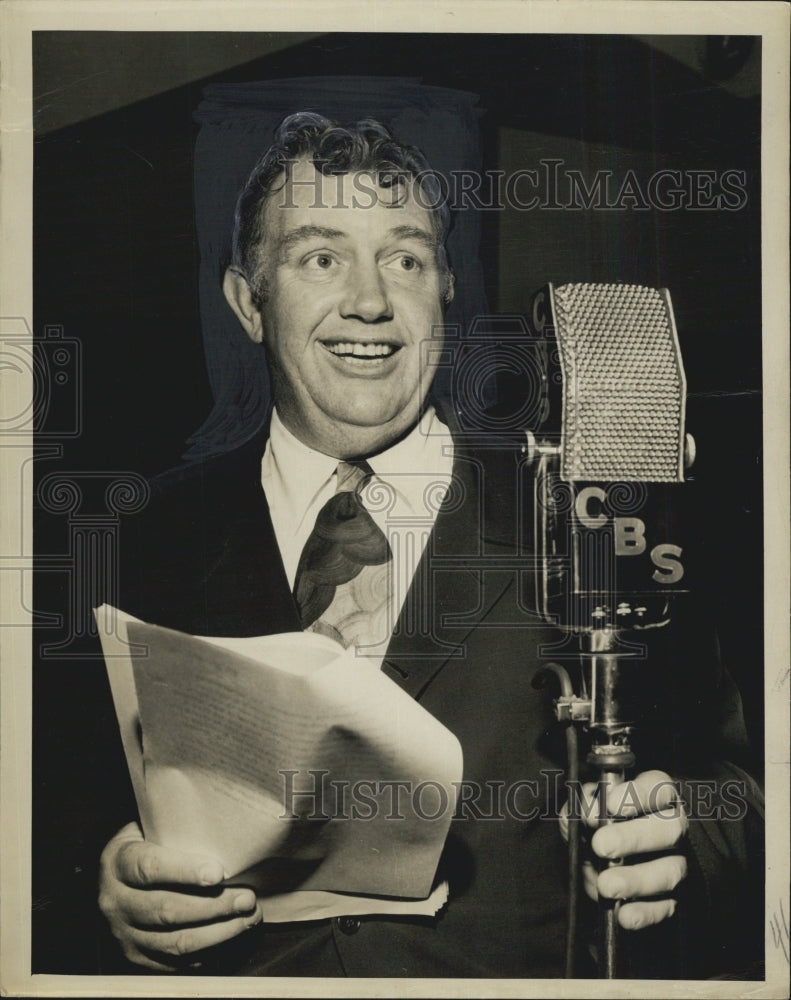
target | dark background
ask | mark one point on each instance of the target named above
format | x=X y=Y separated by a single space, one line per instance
x=116 y=269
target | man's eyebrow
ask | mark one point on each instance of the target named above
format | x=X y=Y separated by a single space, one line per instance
x=413 y=233
x=311 y=232
x=302 y=233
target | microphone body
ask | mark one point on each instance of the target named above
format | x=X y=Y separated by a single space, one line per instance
x=609 y=450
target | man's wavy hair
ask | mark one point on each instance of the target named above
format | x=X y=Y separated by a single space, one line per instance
x=367 y=146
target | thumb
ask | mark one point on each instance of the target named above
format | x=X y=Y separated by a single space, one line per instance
x=142 y=864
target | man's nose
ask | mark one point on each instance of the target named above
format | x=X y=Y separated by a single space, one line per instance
x=365 y=295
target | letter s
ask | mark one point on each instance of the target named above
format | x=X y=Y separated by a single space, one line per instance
x=665 y=558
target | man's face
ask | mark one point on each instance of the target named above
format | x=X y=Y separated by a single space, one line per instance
x=353 y=291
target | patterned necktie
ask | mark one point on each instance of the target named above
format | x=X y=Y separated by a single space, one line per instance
x=341 y=587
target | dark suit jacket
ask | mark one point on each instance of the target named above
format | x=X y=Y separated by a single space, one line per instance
x=204 y=560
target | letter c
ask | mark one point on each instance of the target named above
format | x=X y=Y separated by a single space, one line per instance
x=581 y=507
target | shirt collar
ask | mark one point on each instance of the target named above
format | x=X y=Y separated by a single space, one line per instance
x=300 y=473
x=420 y=451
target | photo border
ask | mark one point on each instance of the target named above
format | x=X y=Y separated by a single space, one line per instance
x=19 y=19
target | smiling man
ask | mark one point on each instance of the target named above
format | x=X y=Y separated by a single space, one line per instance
x=344 y=292
x=339 y=271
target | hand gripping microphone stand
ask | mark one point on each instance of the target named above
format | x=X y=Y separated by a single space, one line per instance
x=607 y=559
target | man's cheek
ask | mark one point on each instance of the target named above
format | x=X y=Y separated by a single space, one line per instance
x=429 y=316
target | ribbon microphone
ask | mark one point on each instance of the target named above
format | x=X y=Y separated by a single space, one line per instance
x=608 y=455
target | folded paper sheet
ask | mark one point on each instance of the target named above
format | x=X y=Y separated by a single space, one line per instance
x=306 y=771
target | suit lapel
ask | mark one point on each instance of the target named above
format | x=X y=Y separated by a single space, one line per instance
x=451 y=594
x=246 y=580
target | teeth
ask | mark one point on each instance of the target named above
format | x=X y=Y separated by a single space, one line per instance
x=361 y=350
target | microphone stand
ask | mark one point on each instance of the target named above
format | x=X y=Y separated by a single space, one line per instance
x=611 y=755
x=599 y=709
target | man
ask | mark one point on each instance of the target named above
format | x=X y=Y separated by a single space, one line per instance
x=339 y=272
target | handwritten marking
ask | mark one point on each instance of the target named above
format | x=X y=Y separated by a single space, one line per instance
x=782 y=678
x=779 y=928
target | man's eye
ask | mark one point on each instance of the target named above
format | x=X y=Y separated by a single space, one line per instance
x=318 y=262
x=406 y=262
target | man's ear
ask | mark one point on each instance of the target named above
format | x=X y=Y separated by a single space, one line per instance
x=450 y=285
x=239 y=296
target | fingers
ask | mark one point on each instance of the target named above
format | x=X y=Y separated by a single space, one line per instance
x=563 y=821
x=136 y=862
x=633 y=916
x=649 y=820
x=173 y=949
x=651 y=878
x=649 y=792
x=167 y=928
x=635 y=882
x=160 y=909
x=590 y=878
x=660 y=831
x=656 y=817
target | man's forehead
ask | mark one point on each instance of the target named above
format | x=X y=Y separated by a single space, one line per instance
x=324 y=199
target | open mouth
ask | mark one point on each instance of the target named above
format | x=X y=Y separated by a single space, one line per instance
x=365 y=354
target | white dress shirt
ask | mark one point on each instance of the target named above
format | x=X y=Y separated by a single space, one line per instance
x=403 y=498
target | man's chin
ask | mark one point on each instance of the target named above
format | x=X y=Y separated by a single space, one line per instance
x=361 y=432
x=369 y=438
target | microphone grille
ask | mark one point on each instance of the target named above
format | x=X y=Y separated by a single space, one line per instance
x=624 y=389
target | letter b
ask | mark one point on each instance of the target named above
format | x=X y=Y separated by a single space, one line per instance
x=629 y=536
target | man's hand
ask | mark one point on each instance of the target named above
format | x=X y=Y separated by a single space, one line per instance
x=649 y=819
x=166 y=907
